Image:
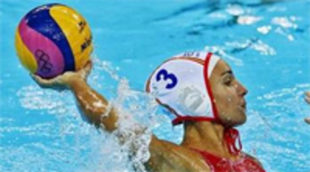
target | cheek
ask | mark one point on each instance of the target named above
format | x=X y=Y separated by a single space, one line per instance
x=226 y=105
x=225 y=102
x=228 y=100
x=227 y=97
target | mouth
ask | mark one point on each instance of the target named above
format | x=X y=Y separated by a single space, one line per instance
x=243 y=105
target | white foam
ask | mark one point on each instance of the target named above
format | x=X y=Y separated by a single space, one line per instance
x=248 y=20
x=264 y=29
x=284 y=22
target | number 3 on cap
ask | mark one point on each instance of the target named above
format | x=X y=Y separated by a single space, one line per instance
x=163 y=74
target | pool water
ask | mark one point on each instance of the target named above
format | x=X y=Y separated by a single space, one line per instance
x=266 y=44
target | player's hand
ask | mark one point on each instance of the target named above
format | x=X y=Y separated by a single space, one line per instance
x=65 y=80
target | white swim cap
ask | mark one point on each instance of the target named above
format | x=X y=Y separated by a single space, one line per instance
x=182 y=85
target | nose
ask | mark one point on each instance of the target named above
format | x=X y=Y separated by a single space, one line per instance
x=242 y=91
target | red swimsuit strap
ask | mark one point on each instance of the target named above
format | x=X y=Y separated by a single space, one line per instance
x=218 y=164
x=209 y=157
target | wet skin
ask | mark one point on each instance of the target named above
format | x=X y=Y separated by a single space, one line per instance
x=229 y=95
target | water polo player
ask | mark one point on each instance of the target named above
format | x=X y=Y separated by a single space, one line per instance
x=202 y=92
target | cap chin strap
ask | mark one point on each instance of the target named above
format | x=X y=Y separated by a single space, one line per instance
x=231 y=136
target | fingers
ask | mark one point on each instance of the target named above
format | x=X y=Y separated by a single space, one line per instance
x=89 y=65
x=41 y=81
x=86 y=69
x=63 y=80
x=46 y=83
x=307 y=97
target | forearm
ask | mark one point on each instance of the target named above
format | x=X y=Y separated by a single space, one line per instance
x=94 y=106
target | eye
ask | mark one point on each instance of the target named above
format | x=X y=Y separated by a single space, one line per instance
x=228 y=80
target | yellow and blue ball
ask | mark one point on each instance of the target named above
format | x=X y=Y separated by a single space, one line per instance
x=52 y=39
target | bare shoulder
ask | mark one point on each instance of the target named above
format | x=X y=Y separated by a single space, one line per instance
x=169 y=157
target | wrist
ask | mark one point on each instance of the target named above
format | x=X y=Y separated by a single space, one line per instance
x=75 y=82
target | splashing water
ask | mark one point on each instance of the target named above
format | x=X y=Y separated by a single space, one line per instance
x=125 y=149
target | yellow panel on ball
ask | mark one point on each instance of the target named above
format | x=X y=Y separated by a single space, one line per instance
x=77 y=32
x=26 y=57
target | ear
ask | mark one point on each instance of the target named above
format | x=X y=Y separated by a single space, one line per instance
x=191 y=100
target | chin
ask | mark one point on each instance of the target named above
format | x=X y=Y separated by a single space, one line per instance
x=235 y=122
x=235 y=119
x=241 y=122
x=239 y=119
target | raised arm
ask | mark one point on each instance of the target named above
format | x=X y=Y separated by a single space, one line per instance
x=94 y=106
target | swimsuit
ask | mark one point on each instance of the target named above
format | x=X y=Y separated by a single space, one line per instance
x=218 y=164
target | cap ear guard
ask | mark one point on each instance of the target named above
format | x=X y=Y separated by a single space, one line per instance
x=191 y=100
